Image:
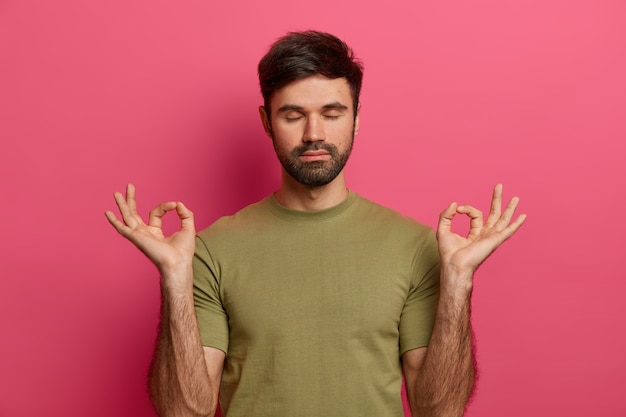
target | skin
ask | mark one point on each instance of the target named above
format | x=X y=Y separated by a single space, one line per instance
x=185 y=376
x=313 y=109
x=440 y=379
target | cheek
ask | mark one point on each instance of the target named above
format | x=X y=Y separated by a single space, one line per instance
x=343 y=133
x=288 y=136
x=283 y=142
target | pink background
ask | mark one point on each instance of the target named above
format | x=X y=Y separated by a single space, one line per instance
x=458 y=95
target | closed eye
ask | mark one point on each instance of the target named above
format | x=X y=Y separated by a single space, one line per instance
x=292 y=116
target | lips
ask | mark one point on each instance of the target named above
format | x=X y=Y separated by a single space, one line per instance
x=315 y=156
x=315 y=153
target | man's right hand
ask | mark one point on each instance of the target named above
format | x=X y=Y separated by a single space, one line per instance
x=170 y=253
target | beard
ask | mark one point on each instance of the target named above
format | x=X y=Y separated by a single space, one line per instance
x=314 y=173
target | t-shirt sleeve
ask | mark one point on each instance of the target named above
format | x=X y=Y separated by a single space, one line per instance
x=210 y=313
x=418 y=314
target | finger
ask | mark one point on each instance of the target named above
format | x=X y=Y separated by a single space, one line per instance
x=445 y=218
x=127 y=216
x=186 y=217
x=496 y=205
x=131 y=198
x=506 y=217
x=156 y=214
x=513 y=227
x=476 y=218
x=116 y=223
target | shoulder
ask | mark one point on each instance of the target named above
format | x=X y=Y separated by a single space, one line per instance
x=389 y=218
x=402 y=239
x=244 y=220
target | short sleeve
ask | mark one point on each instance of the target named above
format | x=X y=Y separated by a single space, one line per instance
x=210 y=313
x=418 y=314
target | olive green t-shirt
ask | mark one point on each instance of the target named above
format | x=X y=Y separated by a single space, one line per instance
x=315 y=309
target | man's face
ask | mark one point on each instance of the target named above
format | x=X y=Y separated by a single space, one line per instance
x=312 y=128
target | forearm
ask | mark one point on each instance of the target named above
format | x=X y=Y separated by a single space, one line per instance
x=440 y=381
x=445 y=381
x=179 y=382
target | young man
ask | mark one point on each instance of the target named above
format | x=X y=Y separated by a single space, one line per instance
x=314 y=301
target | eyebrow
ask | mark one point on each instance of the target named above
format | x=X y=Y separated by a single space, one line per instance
x=330 y=106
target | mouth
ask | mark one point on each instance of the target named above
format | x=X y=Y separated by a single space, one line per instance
x=315 y=155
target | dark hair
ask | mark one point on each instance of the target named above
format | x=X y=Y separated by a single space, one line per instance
x=299 y=55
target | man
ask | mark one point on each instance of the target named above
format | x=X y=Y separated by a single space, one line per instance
x=314 y=301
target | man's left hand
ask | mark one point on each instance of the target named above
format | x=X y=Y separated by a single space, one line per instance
x=463 y=255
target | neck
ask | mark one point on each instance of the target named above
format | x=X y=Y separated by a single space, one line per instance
x=296 y=196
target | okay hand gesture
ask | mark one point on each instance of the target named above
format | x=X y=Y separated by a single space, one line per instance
x=166 y=252
x=465 y=254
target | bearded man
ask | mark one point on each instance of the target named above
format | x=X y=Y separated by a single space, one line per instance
x=314 y=301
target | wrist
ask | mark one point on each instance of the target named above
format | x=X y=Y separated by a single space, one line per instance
x=177 y=277
x=455 y=281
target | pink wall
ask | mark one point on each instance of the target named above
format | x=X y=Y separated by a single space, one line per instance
x=458 y=95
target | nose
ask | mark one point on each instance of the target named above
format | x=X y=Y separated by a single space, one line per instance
x=314 y=130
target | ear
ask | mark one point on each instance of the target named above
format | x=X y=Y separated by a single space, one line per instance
x=357 y=119
x=265 y=120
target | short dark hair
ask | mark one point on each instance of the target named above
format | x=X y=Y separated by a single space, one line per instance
x=299 y=55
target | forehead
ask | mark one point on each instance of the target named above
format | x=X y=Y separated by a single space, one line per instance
x=313 y=92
